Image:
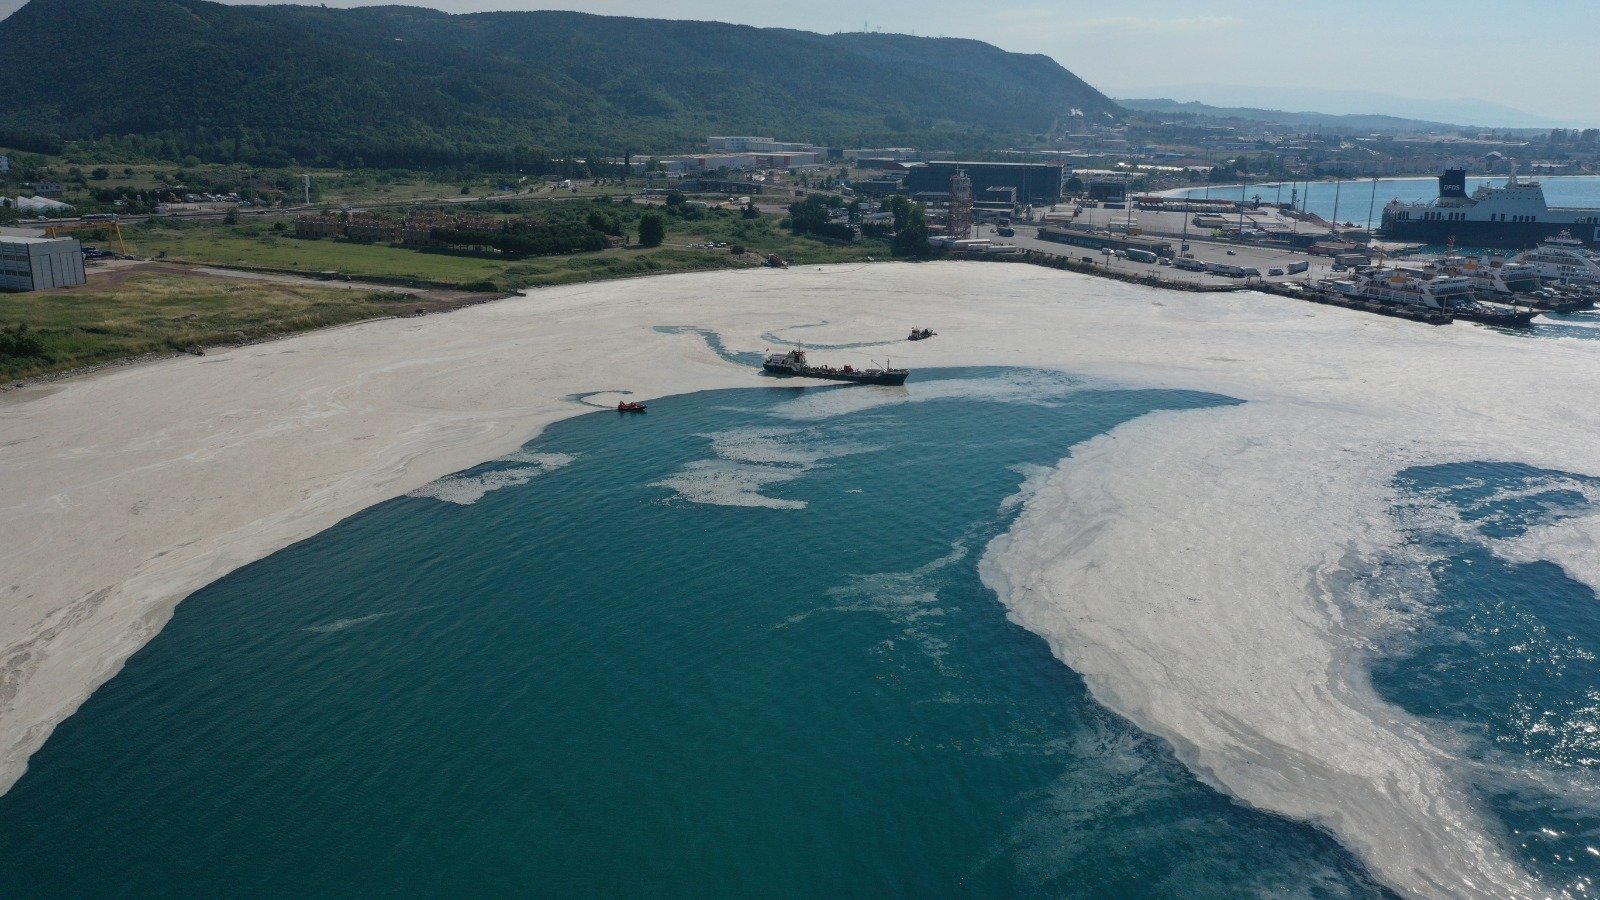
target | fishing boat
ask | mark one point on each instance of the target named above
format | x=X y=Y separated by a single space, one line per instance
x=794 y=363
x=921 y=334
x=627 y=406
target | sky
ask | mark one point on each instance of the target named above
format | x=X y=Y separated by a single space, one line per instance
x=1358 y=54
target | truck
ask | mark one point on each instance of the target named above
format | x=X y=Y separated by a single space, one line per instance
x=1006 y=231
x=1144 y=256
x=1295 y=268
x=1189 y=264
x=1226 y=270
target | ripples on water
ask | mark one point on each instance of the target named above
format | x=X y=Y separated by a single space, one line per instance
x=1504 y=653
x=605 y=673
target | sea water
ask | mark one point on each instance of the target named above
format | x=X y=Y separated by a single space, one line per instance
x=1354 y=199
x=1502 y=653
x=738 y=645
x=734 y=646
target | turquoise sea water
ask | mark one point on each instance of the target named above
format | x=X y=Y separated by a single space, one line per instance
x=1503 y=656
x=736 y=646
x=1353 y=199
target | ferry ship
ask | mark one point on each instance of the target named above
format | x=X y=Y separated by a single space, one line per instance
x=1564 y=260
x=1493 y=276
x=1513 y=215
x=1452 y=294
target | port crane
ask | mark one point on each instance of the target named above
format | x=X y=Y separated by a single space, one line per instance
x=110 y=226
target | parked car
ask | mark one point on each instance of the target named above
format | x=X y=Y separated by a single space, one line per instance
x=1274 y=272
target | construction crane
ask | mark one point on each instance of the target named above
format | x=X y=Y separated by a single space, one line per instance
x=109 y=226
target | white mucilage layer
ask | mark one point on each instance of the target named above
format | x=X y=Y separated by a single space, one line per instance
x=1187 y=563
x=1191 y=567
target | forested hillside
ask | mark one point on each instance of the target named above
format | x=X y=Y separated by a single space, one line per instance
x=409 y=86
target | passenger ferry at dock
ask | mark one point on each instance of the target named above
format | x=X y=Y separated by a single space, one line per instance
x=1563 y=259
x=1493 y=276
x=1455 y=295
x=1514 y=215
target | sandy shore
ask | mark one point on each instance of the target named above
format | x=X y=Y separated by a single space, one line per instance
x=123 y=492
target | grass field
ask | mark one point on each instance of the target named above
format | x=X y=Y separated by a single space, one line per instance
x=256 y=246
x=121 y=316
x=158 y=313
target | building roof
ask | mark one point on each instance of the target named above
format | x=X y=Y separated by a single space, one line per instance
x=15 y=239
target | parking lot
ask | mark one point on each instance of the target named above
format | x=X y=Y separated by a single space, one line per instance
x=1245 y=256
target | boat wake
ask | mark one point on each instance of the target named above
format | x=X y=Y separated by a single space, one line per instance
x=584 y=398
x=339 y=625
x=714 y=341
x=773 y=338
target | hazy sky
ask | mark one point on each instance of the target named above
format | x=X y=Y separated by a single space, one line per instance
x=1535 y=57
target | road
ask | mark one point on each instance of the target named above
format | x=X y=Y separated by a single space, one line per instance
x=1246 y=256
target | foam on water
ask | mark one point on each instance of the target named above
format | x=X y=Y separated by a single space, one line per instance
x=749 y=460
x=465 y=490
x=1026 y=386
x=1206 y=573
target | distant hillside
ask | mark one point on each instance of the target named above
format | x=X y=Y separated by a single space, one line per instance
x=1285 y=118
x=405 y=85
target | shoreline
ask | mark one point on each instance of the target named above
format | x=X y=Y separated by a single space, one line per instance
x=128 y=489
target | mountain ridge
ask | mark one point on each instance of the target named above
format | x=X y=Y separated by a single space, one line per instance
x=400 y=81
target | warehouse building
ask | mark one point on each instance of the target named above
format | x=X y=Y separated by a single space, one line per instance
x=39 y=264
x=1038 y=184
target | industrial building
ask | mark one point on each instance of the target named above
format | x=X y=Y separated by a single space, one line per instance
x=1038 y=184
x=39 y=264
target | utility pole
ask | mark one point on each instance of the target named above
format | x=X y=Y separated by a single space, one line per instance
x=1371 y=205
x=1337 y=185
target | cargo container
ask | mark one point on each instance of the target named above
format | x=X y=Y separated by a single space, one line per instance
x=1295 y=268
x=1144 y=256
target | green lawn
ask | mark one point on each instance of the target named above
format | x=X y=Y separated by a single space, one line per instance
x=142 y=314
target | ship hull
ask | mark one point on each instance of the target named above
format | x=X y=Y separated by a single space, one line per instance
x=1500 y=235
x=890 y=378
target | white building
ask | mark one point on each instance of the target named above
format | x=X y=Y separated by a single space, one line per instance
x=760 y=145
x=734 y=144
x=38 y=264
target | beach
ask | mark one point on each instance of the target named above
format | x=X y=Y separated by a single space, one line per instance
x=126 y=490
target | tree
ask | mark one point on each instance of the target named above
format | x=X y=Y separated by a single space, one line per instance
x=652 y=229
x=911 y=233
x=100 y=174
x=750 y=211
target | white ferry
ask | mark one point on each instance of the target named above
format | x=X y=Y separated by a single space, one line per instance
x=1514 y=215
x=1453 y=294
x=1492 y=275
x=1563 y=259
